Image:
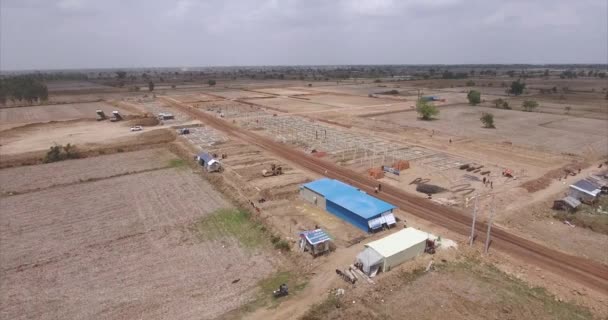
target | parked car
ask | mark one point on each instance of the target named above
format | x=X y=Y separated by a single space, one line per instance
x=137 y=128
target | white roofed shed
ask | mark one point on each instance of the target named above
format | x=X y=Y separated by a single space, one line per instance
x=393 y=250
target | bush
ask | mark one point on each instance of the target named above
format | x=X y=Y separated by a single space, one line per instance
x=488 y=120
x=211 y=82
x=59 y=153
x=377 y=81
x=282 y=245
x=517 y=88
x=470 y=83
x=426 y=110
x=529 y=105
x=474 y=97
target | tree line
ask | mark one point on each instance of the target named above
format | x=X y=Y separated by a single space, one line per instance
x=28 y=88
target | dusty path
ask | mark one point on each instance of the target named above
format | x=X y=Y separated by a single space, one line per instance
x=584 y=271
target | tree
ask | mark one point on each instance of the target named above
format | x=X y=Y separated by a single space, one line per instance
x=173 y=86
x=529 y=105
x=426 y=110
x=474 y=97
x=151 y=86
x=546 y=74
x=501 y=104
x=568 y=108
x=488 y=120
x=470 y=83
x=121 y=74
x=511 y=73
x=517 y=87
x=211 y=82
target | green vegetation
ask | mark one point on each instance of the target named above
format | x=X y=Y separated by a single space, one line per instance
x=517 y=88
x=588 y=216
x=504 y=296
x=28 y=88
x=488 y=120
x=470 y=83
x=177 y=163
x=235 y=223
x=474 y=97
x=59 y=153
x=319 y=311
x=426 y=110
x=211 y=82
x=150 y=86
x=529 y=105
x=502 y=104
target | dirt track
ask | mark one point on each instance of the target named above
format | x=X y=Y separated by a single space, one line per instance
x=584 y=271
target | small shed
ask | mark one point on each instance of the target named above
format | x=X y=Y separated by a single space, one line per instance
x=208 y=162
x=315 y=241
x=567 y=203
x=391 y=251
x=585 y=191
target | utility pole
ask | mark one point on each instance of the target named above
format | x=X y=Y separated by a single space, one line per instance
x=474 y=218
x=489 y=227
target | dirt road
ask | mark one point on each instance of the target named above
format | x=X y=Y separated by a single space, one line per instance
x=584 y=271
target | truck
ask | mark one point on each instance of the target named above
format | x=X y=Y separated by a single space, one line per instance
x=207 y=161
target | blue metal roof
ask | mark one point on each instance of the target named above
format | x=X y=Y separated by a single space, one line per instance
x=315 y=236
x=349 y=197
x=205 y=156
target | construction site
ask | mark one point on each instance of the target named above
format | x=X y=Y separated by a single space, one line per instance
x=291 y=199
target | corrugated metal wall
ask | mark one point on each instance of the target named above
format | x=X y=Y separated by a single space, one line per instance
x=309 y=196
x=401 y=257
x=347 y=215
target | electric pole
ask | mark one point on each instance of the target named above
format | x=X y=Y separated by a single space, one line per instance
x=474 y=218
x=489 y=227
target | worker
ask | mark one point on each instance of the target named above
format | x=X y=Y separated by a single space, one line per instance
x=484 y=180
x=491 y=184
x=376 y=190
x=450 y=141
x=379 y=187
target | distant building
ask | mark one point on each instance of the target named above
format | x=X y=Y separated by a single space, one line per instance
x=349 y=203
x=568 y=203
x=584 y=191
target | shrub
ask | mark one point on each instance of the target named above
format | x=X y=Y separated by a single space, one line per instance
x=474 y=97
x=529 y=105
x=426 y=110
x=488 y=120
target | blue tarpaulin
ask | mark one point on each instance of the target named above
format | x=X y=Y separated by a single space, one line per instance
x=315 y=236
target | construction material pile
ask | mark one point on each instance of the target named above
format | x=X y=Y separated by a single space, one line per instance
x=401 y=165
x=376 y=173
x=429 y=188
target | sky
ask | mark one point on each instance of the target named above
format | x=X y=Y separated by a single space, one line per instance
x=72 y=34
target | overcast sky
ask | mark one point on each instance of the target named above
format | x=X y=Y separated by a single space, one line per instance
x=47 y=34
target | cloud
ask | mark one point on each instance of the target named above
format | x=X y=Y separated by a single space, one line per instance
x=38 y=34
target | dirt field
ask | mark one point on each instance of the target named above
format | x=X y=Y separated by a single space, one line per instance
x=241 y=94
x=121 y=248
x=291 y=105
x=33 y=178
x=282 y=91
x=14 y=117
x=537 y=130
x=80 y=133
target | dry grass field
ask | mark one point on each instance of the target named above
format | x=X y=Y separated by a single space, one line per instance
x=126 y=247
x=13 y=117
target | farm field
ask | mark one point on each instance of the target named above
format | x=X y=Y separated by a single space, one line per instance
x=31 y=178
x=13 y=117
x=547 y=132
x=123 y=248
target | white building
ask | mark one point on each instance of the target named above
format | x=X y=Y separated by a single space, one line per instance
x=391 y=251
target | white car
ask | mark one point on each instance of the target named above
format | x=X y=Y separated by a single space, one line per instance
x=137 y=128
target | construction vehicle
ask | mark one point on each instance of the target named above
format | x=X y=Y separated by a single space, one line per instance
x=507 y=173
x=275 y=170
x=115 y=116
x=183 y=131
x=100 y=115
x=165 y=116
x=281 y=292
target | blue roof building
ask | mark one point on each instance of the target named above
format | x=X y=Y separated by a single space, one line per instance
x=349 y=203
